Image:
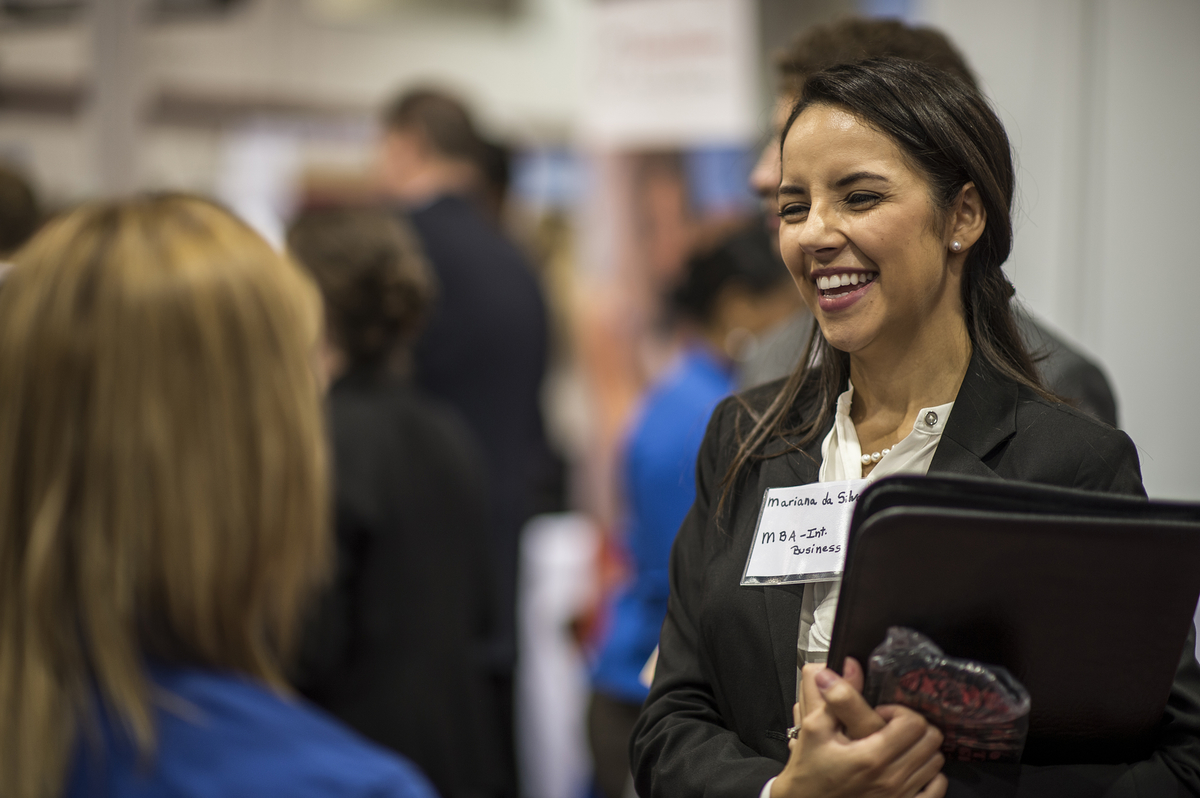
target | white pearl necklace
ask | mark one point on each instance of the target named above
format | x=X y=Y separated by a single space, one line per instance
x=931 y=419
x=874 y=457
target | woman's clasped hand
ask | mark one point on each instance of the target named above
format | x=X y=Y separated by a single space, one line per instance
x=846 y=748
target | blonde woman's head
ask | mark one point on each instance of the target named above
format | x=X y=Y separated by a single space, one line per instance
x=162 y=471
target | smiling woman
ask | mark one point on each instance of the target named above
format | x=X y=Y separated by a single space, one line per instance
x=897 y=182
x=911 y=196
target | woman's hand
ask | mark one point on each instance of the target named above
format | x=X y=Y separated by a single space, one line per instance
x=845 y=694
x=845 y=748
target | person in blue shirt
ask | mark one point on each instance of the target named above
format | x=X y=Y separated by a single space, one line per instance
x=726 y=297
x=164 y=515
x=224 y=734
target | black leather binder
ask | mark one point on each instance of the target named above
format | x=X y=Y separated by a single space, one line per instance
x=1085 y=598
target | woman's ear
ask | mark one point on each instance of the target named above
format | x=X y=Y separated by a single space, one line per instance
x=967 y=219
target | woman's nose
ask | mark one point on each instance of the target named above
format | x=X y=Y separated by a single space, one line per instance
x=820 y=234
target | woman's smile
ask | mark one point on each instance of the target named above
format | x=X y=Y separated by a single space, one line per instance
x=839 y=290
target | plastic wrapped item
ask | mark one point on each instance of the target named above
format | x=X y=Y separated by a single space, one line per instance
x=981 y=709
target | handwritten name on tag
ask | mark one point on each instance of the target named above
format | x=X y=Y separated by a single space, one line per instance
x=801 y=533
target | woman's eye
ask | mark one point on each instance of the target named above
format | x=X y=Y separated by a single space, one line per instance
x=793 y=211
x=861 y=198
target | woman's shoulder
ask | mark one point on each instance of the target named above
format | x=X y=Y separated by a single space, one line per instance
x=737 y=414
x=1102 y=457
x=377 y=419
x=227 y=734
x=1046 y=413
x=738 y=411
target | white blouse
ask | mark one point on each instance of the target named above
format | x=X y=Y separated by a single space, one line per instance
x=841 y=458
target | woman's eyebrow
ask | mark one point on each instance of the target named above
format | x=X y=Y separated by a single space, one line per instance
x=790 y=189
x=857 y=176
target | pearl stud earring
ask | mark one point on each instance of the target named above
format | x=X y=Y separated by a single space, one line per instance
x=956 y=246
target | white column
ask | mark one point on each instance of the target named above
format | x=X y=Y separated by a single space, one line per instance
x=118 y=94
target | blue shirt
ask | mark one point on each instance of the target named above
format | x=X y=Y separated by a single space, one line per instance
x=660 y=485
x=230 y=736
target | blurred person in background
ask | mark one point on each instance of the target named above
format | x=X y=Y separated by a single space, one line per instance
x=397 y=648
x=495 y=174
x=19 y=212
x=728 y=294
x=1064 y=370
x=163 y=515
x=484 y=348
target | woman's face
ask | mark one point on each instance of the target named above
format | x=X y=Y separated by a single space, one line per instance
x=861 y=237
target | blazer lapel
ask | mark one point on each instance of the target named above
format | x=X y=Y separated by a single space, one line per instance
x=984 y=416
x=783 y=601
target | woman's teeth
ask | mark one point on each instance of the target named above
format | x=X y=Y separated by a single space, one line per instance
x=839 y=280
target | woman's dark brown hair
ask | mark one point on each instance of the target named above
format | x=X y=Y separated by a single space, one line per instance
x=952 y=137
x=373 y=275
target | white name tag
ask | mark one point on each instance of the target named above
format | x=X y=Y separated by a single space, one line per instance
x=801 y=533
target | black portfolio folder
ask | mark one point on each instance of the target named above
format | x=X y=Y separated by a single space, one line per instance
x=1085 y=598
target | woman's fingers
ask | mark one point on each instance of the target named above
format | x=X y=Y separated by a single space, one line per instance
x=809 y=695
x=852 y=672
x=927 y=774
x=915 y=748
x=906 y=733
x=819 y=726
x=923 y=761
x=936 y=788
x=847 y=705
x=901 y=759
x=845 y=746
x=932 y=736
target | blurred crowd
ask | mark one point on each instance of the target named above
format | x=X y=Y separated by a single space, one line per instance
x=278 y=488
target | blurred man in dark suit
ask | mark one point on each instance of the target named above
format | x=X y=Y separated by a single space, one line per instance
x=485 y=346
x=395 y=643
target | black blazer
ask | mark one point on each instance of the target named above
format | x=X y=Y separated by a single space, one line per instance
x=483 y=352
x=714 y=722
x=397 y=647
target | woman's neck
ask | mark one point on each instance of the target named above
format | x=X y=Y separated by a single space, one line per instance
x=891 y=387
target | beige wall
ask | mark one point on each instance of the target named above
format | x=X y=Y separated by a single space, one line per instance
x=520 y=71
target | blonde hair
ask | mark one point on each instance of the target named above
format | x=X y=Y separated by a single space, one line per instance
x=162 y=468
